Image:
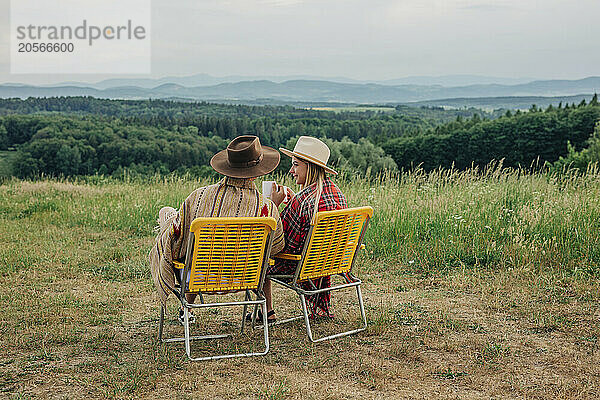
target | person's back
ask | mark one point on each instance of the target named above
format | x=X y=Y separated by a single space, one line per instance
x=235 y=195
x=231 y=197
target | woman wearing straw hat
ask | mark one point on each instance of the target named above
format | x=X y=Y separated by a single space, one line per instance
x=309 y=169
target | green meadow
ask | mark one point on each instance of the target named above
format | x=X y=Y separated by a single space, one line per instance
x=478 y=284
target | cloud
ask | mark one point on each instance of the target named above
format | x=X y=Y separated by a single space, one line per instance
x=375 y=39
x=234 y=6
x=484 y=5
x=280 y=3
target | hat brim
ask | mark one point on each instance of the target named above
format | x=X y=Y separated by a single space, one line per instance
x=306 y=158
x=269 y=162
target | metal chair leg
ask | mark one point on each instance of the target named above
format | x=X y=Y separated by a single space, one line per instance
x=307 y=319
x=362 y=307
x=266 y=328
x=186 y=330
x=220 y=357
x=188 y=338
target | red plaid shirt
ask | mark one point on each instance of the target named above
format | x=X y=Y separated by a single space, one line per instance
x=296 y=219
x=297 y=215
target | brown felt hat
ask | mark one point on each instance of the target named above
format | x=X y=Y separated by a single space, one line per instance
x=244 y=157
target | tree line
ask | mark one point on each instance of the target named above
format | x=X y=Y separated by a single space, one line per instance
x=69 y=145
x=81 y=136
x=540 y=136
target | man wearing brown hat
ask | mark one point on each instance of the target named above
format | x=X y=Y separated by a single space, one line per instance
x=234 y=196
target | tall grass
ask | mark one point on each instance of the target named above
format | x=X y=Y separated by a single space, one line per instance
x=437 y=221
x=495 y=218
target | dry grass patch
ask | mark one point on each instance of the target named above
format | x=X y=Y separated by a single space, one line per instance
x=457 y=312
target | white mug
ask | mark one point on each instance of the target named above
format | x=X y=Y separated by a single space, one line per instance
x=267 y=189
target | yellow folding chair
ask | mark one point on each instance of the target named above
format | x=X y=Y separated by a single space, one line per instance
x=331 y=248
x=224 y=255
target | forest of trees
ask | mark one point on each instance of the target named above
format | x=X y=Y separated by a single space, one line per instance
x=82 y=136
x=519 y=139
x=168 y=112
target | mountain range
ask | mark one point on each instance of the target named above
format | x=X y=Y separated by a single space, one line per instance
x=209 y=80
x=306 y=90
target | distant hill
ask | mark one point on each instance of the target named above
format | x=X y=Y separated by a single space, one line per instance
x=455 y=80
x=313 y=91
x=209 y=80
x=493 y=103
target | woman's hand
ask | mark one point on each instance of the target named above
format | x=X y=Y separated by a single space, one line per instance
x=289 y=193
x=280 y=193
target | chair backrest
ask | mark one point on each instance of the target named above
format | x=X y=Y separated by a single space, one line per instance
x=229 y=253
x=333 y=241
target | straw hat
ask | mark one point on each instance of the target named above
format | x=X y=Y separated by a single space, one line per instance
x=311 y=149
x=244 y=157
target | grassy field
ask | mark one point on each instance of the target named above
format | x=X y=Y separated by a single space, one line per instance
x=478 y=285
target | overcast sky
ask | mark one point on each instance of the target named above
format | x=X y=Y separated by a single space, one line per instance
x=366 y=39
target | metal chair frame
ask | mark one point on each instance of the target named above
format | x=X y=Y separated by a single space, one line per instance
x=293 y=280
x=258 y=291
